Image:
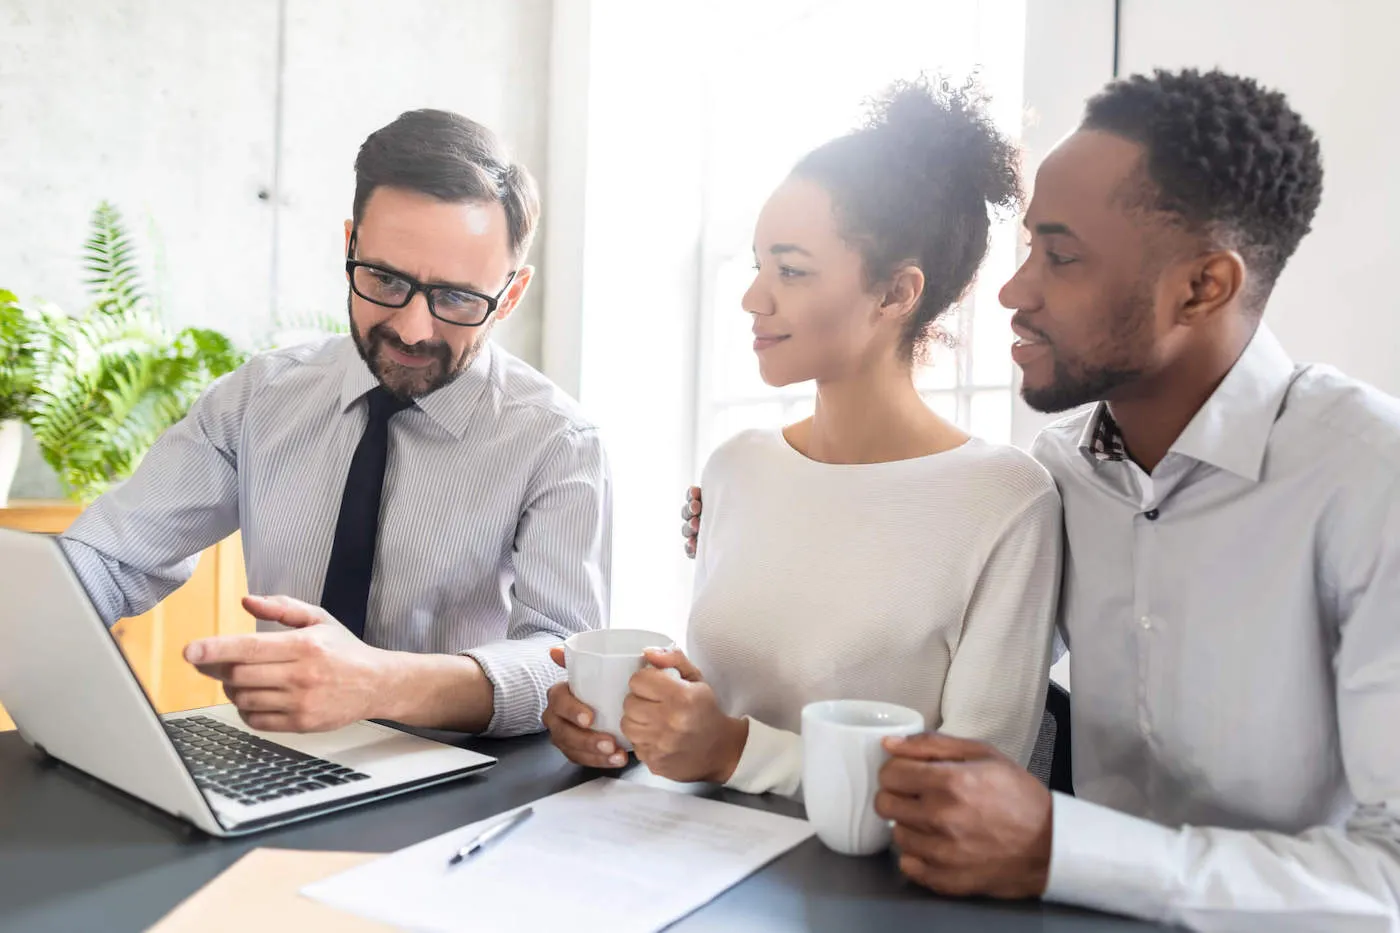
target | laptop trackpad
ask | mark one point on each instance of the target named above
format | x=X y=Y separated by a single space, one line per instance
x=367 y=741
x=378 y=749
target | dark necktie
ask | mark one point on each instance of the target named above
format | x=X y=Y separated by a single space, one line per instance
x=345 y=594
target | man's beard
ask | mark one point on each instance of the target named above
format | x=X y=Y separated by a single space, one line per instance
x=1076 y=386
x=409 y=382
x=1077 y=382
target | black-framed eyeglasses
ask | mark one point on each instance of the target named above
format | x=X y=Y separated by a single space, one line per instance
x=389 y=288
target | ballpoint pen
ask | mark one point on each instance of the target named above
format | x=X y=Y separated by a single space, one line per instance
x=489 y=834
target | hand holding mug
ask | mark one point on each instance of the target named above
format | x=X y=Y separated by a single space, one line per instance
x=568 y=720
x=842 y=754
x=584 y=715
x=676 y=724
x=968 y=820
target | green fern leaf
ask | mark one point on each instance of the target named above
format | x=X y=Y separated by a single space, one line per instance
x=114 y=278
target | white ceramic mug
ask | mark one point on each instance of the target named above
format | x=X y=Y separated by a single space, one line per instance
x=841 y=761
x=601 y=664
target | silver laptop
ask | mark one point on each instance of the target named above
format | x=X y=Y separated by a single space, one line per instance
x=71 y=693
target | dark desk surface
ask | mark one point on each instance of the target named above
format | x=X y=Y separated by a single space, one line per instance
x=77 y=855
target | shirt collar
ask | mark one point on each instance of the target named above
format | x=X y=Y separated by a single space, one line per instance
x=1231 y=430
x=450 y=407
x=357 y=379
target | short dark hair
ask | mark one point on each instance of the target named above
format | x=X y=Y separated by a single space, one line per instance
x=1229 y=158
x=451 y=158
x=913 y=185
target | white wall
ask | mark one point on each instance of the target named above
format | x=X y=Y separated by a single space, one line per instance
x=164 y=108
x=1336 y=62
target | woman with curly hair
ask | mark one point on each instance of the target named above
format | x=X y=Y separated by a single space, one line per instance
x=873 y=550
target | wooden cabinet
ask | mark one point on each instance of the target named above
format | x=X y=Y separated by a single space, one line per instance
x=208 y=604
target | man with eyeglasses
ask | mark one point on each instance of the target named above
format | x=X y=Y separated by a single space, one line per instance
x=431 y=512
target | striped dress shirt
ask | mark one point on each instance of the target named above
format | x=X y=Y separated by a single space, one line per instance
x=495 y=529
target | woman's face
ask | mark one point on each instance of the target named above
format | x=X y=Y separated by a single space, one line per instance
x=813 y=316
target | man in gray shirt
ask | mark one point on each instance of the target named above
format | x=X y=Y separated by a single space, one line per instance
x=431 y=513
x=1231 y=592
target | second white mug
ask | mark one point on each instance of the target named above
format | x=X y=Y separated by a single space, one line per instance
x=841 y=760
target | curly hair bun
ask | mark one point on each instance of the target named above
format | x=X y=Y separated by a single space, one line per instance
x=942 y=132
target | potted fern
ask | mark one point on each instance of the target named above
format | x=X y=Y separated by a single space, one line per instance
x=104 y=384
x=16 y=385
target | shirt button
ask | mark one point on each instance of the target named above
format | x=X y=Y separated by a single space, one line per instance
x=1146 y=621
x=1151 y=515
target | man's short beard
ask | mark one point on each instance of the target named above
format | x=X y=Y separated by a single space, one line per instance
x=1076 y=383
x=1071 y=389
x=413 y=382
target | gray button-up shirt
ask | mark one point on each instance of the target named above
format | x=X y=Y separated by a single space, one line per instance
x=495 y=527
x=1233 y=622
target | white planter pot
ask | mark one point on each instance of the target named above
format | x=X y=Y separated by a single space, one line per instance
x=11 y=436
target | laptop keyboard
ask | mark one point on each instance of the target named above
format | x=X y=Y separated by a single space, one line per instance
x=249 y=769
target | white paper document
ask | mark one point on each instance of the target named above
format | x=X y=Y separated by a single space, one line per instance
x=607 y=856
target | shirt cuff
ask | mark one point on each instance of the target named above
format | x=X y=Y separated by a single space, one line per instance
x=771 y=762
x=1107 y=860
x=521 y=673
